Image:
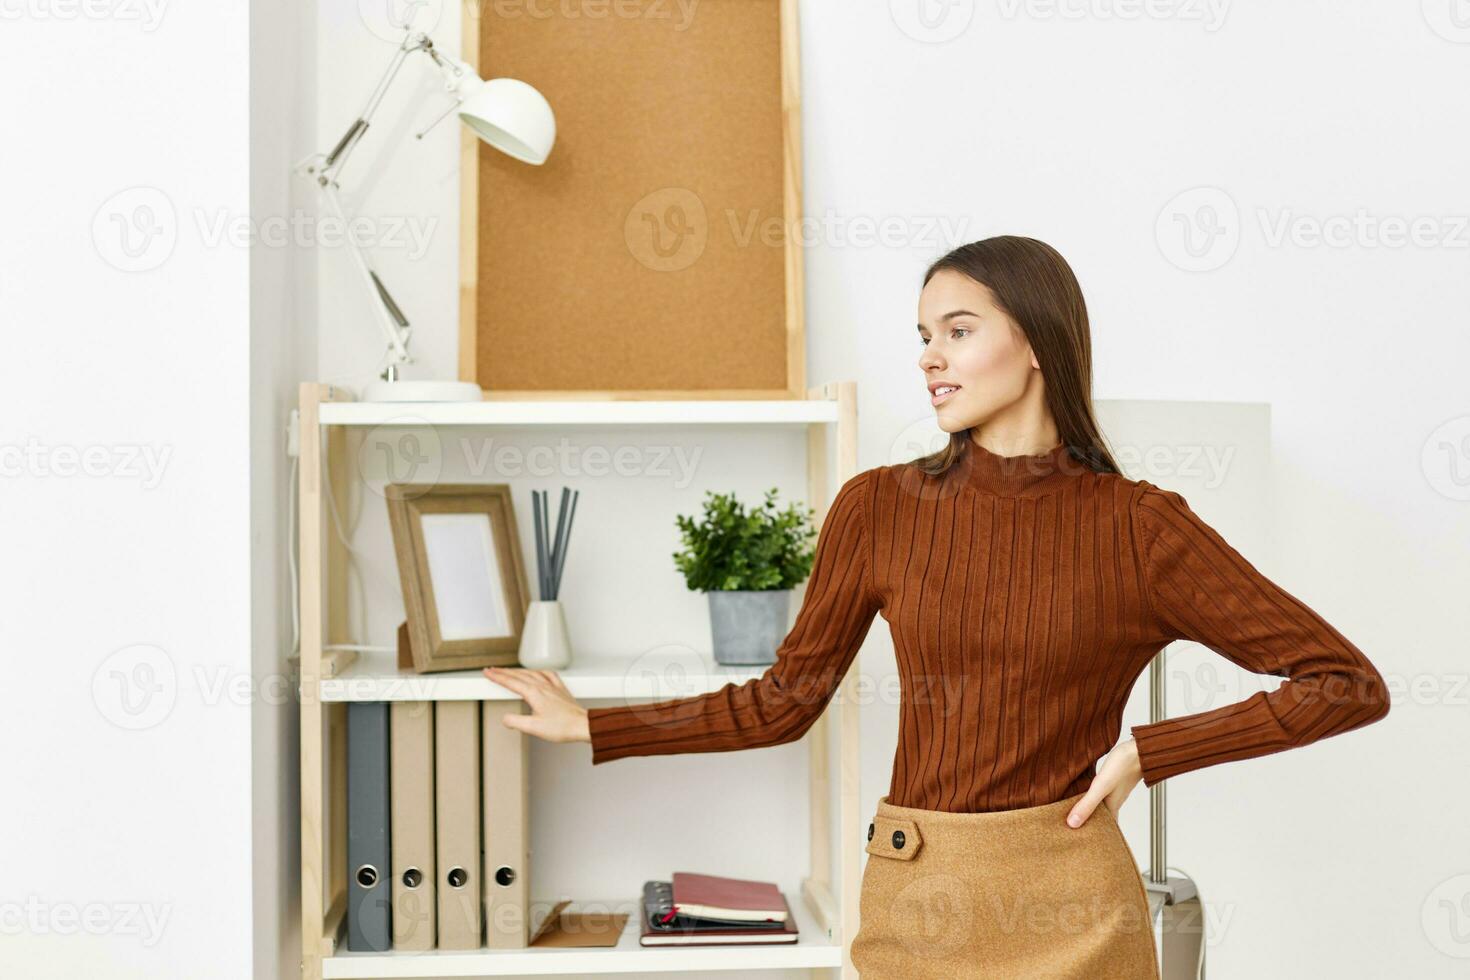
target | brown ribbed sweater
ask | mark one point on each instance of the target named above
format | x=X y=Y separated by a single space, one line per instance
x=1025 y=596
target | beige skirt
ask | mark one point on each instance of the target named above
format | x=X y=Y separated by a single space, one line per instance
x=1009 y=893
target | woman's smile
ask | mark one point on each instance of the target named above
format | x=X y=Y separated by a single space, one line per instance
x=939 y=392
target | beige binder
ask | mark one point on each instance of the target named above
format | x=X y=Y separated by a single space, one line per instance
x=411 y=774
x=457 y=819
x=506 y=874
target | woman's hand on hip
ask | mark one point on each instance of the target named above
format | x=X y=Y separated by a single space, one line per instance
x=555 y=715
x=1120 y=772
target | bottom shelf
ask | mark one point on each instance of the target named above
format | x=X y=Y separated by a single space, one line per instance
x=811 y=949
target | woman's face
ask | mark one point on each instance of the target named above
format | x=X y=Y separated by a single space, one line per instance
x=971 y=345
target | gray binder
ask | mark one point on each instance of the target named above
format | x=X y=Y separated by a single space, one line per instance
x=369 y=887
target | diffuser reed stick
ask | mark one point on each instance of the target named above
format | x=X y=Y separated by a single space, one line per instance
x=551 y=555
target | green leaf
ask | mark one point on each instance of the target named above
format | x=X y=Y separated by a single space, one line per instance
x=730 y=548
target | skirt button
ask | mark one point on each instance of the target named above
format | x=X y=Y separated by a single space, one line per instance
x=870 y=831
x=898 y=839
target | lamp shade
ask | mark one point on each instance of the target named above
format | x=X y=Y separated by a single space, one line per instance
x=512 y=117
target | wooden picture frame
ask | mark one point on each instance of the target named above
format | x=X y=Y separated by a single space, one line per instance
x=662 y=127
x=460 y=565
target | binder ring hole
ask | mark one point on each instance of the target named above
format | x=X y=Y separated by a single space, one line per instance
x=367 y=876
x=412 y=878
x=457 y=877
x=504 y=875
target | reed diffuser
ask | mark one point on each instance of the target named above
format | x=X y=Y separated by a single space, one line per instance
x=545 y=644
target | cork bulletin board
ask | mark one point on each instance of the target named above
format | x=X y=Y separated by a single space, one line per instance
x=657 y=251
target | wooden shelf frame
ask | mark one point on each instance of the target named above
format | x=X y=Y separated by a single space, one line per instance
x=828 y=913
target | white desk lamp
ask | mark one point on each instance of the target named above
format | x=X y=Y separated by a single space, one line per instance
x=506 y=113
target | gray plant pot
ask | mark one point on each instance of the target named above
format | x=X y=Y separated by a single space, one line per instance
x=748 y=625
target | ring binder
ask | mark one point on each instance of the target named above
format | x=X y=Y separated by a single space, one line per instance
x=369 y=895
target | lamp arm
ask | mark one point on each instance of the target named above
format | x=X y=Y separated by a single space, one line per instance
x=337 y=158
x=326 y=168
x=460 y=79
x=390 y=317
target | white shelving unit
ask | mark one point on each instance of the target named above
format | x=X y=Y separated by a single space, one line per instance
x=582 y=413
x=373 y=677
x=824 y=900
x=813 y=952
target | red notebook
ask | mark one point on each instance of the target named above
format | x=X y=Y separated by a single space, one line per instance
x=714 y=897
x=660 y=928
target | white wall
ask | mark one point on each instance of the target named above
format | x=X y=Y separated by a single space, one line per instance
x=282 y=353
x=140 y=590
x=146 y=188
x=125 y=840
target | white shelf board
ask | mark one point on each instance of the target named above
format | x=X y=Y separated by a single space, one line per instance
x=812 y=949
x=659 y=675
x=592 y=412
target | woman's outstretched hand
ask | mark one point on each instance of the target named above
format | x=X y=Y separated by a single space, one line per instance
x=555 y=714
x=1120 y=772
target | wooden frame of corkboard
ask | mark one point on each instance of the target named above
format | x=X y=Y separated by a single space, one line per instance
x=583 y=312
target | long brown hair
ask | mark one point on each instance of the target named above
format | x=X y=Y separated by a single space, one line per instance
x=1035 y=286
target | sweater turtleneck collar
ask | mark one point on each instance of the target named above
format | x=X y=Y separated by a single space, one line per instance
x=1016 y=475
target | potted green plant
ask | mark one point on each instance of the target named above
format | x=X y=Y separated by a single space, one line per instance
x=747 y=563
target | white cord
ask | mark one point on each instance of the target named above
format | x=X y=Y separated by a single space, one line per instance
x=291 y=559
x=351 y=551
x=294 y=503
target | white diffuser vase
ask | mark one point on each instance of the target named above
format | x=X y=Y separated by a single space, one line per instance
x=544 y=641
x=545 y=644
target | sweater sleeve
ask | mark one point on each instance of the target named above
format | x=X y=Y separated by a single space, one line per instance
x=1202 y=589
x=780 y=705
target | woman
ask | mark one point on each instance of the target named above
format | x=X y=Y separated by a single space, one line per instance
x=1027 y=584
